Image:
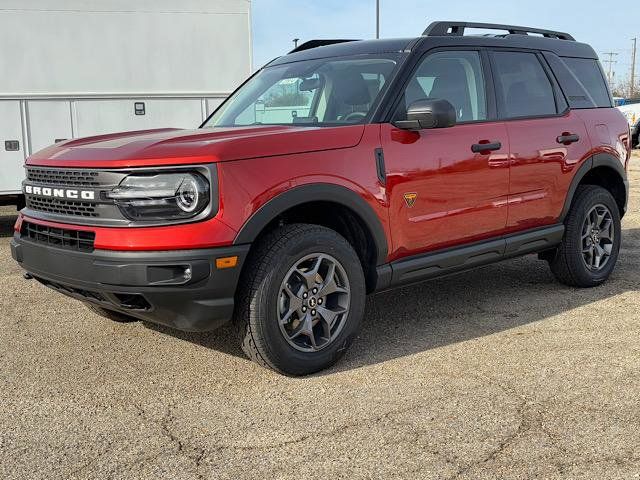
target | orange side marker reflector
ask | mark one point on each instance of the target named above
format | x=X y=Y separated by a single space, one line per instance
x=226 y=262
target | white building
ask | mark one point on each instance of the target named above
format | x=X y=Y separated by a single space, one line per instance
x=73 y=68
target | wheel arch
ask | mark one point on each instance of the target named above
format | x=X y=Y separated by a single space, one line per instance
x=297 y=200
x=604 y=170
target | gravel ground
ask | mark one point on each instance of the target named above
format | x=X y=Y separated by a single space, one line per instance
x=497 y=373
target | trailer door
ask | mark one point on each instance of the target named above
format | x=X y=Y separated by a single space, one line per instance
x=12 y=147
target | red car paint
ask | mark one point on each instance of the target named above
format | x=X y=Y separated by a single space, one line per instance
x=462 y=196
x=188 y=147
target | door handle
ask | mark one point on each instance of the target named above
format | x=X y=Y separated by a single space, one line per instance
x=568 y=138
x=485 y=147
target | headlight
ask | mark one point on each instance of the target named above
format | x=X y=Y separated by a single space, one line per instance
x=162 y=196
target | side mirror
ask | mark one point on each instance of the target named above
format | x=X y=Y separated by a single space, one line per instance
x=427 y=113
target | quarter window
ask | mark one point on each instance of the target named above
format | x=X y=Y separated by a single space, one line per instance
x=524 y=89
x=455 y=76
x=587 y=72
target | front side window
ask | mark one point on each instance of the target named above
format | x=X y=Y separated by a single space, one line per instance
x=524 y=89
x=326 y=92
x=455 y=76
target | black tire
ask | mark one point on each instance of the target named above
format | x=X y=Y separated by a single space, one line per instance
x=256 y=317
x=568 y=264
x=111 y=314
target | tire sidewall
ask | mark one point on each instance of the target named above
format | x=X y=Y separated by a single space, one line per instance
x=596 y=196
x=265 y=318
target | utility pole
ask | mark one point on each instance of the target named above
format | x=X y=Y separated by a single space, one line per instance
x=377 y=18
x=632 y=86
x=610 y=62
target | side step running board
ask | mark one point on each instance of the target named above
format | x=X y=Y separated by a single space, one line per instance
x=452 y=260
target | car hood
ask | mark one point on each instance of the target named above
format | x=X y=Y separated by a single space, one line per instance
x=177 y=147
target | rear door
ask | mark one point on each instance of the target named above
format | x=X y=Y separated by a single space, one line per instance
x=441 y=192
x=547 y=140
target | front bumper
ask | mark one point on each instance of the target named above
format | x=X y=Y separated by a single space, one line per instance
x=150 y=286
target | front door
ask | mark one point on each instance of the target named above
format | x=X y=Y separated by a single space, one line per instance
x=441 y=192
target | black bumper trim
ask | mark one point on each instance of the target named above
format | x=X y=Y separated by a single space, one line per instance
x=146 y=285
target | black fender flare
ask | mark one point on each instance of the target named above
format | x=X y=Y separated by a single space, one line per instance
x=316 y=192
x=598 y=160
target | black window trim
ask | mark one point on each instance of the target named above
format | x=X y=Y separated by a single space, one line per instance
x=557 y=91
x=396 y=93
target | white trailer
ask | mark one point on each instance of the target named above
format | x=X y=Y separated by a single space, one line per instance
x=74 y=68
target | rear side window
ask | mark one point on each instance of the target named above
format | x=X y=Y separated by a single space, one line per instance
x=524 y=89
x=588 y=74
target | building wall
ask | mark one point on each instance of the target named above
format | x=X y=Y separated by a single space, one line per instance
x=117 y=46
x=75 y=68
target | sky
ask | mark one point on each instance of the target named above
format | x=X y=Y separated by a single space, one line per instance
x=606 y=29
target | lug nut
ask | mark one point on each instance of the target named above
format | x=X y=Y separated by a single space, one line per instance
x=304 y=309
x=305 y=295
x=313 y=312
x=315 y=290
x=319 y=301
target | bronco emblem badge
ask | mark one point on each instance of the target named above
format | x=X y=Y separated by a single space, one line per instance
x=410 y=198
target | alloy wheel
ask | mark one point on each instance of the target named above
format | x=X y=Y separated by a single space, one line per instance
x=598 y=237
x=313 y=302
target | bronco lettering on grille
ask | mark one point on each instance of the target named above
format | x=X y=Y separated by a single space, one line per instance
x=68 y=193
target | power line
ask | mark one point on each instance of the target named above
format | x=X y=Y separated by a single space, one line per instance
x=632 y=86
x=610 y=62
x=377 y=18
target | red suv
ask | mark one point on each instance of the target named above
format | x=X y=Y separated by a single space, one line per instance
x=341 y=169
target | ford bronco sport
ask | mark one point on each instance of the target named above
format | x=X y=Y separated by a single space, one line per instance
x=340 y=169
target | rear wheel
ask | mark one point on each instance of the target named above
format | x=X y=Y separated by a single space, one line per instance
x=301 y=299
x=111 y=314
x=591 y=242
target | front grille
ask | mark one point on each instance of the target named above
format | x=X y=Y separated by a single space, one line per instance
x=59 y=237
x=67 y=178
x=62 y=207
x=58 y=206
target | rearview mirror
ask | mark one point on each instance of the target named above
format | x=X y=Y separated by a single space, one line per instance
x=427 y=113
x=309 y=84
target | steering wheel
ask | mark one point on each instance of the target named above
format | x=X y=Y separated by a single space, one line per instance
x=354 y=117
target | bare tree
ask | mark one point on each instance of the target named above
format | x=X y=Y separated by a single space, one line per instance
x=622 y=88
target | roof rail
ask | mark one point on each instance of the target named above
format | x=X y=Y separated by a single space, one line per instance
x=318 y=43
x=438 y=29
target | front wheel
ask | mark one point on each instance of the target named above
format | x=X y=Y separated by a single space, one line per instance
x=592 y=238
x=301 y=299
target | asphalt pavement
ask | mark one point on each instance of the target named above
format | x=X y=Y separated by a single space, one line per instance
x=497 y=373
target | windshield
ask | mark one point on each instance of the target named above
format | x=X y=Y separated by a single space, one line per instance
x=326 y=92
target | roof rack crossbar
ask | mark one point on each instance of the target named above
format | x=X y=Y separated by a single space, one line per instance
x=438 y=29
x=318 y=43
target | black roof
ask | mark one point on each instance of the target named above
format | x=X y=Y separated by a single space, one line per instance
x=561 y=44
x=343 y=49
